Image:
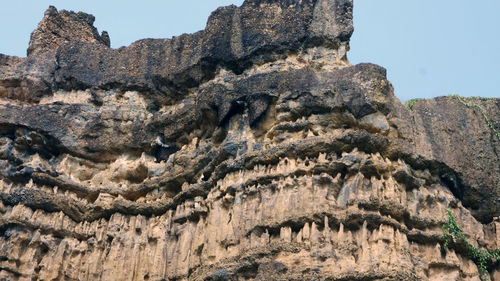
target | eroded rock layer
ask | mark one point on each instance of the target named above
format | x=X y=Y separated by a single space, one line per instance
x=251 y=150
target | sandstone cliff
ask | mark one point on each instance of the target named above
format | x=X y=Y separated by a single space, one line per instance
x=250 y=150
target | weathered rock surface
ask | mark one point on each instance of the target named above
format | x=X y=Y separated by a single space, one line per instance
x=251 y=150
x=58 y=28
x=459 y=136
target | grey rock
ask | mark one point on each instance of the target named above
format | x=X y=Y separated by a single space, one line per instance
x=60 y=27
x=251 y=150
x=234 y=38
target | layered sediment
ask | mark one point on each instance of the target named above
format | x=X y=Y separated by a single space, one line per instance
x=250 y=150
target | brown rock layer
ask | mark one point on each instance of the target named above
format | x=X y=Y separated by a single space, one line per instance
x=251 y=150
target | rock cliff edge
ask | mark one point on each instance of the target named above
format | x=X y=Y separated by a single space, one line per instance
x=250 y=150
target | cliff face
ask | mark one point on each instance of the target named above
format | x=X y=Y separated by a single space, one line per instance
x=251 y=150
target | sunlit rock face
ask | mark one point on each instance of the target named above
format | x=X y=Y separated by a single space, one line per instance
x=251 y=150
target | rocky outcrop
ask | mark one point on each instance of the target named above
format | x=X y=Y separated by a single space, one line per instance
x=233 y=39
x=448 y=130
x=58 y=28
x=251 y=150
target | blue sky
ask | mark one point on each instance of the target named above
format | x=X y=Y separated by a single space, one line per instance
x=429 y=47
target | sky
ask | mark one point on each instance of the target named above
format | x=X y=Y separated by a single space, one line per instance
x=429 y=47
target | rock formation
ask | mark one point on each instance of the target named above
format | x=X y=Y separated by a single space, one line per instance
x=250 y=150
x=58 y=28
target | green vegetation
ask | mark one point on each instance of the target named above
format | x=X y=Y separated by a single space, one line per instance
x=454 y=235
x=463 y=101
x=411 y=103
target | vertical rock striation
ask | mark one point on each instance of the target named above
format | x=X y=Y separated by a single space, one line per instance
x=250 y=150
